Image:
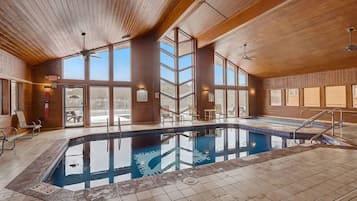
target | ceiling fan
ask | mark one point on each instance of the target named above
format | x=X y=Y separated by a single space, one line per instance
x=350 y=47
x=86 y=53
x=245 y=56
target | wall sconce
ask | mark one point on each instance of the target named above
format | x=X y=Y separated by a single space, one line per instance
x=253 y=144
x=252 y=91
x=142 y=95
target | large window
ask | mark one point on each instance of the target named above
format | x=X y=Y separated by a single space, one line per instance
x=292 y=97
x=177 y=74
x=99 y=65
x=99 y=105
x=229 y=81
x=335 y=96
x=122 y=67
x=275 y=97
x=312 y=97
x=73 y=68
x=122 y=104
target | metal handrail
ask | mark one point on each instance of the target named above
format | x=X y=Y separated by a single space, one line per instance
x=309 y=121
x=320 y=114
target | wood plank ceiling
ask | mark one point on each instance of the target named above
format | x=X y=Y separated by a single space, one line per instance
x=299 y=37
x=40 y=30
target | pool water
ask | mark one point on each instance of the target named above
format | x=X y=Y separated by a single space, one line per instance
x=102 y=162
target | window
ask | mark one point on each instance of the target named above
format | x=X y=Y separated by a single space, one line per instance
x=292 y=97
x=220 y=101
x=312 y=97
x=99 y=105
x=122 y=104
x=242 y=78
x=336 y=96
x=14 y=96
x=354 y=95
x=231 y=103
x=122 y=65
x=231 y=74
x=176 y=79
x=99 y=66
x=218 y=70
x=275 y=97
x=73 y=68
x=243 y=103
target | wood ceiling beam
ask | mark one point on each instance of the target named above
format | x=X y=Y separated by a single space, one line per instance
x=182 y=10
x=237 y=20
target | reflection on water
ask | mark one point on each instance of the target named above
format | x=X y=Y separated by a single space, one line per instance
x=102 y=162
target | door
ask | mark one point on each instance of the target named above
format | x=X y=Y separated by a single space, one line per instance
x=73 y=106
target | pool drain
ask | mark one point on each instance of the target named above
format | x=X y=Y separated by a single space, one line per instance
x=190 y=181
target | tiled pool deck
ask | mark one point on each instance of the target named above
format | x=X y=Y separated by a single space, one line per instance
x=299 y=173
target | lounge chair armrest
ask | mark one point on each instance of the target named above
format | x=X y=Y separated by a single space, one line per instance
x=39 y=122
x=34 y=123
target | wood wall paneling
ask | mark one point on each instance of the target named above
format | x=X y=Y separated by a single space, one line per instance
x=346 y=77
x=204 y=78
x=13 y=68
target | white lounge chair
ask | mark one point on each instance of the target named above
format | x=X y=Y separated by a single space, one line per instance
x=22 y=123
x=8 y=136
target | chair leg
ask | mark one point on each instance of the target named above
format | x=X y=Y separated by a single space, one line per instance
x=2 y=146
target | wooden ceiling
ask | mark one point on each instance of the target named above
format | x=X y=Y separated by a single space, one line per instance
x=285 y=36
x=300 y=36
x=40 y=30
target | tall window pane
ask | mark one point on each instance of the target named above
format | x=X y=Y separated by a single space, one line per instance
x=312 y=97
x=243 y=103
x=99 y=66
x=292 y=97
x=122 y=65
x=242 y=78
x=275 y=97
x=218 y=70
x=231 y=103
x=220 y=100
x=73 y=68
x=231 y=75
x=99 y=105
x=122 y=104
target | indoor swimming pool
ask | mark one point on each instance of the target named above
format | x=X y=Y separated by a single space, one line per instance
x=100 y=162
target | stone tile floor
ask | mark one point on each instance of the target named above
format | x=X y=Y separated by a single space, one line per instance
x=318 y=174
